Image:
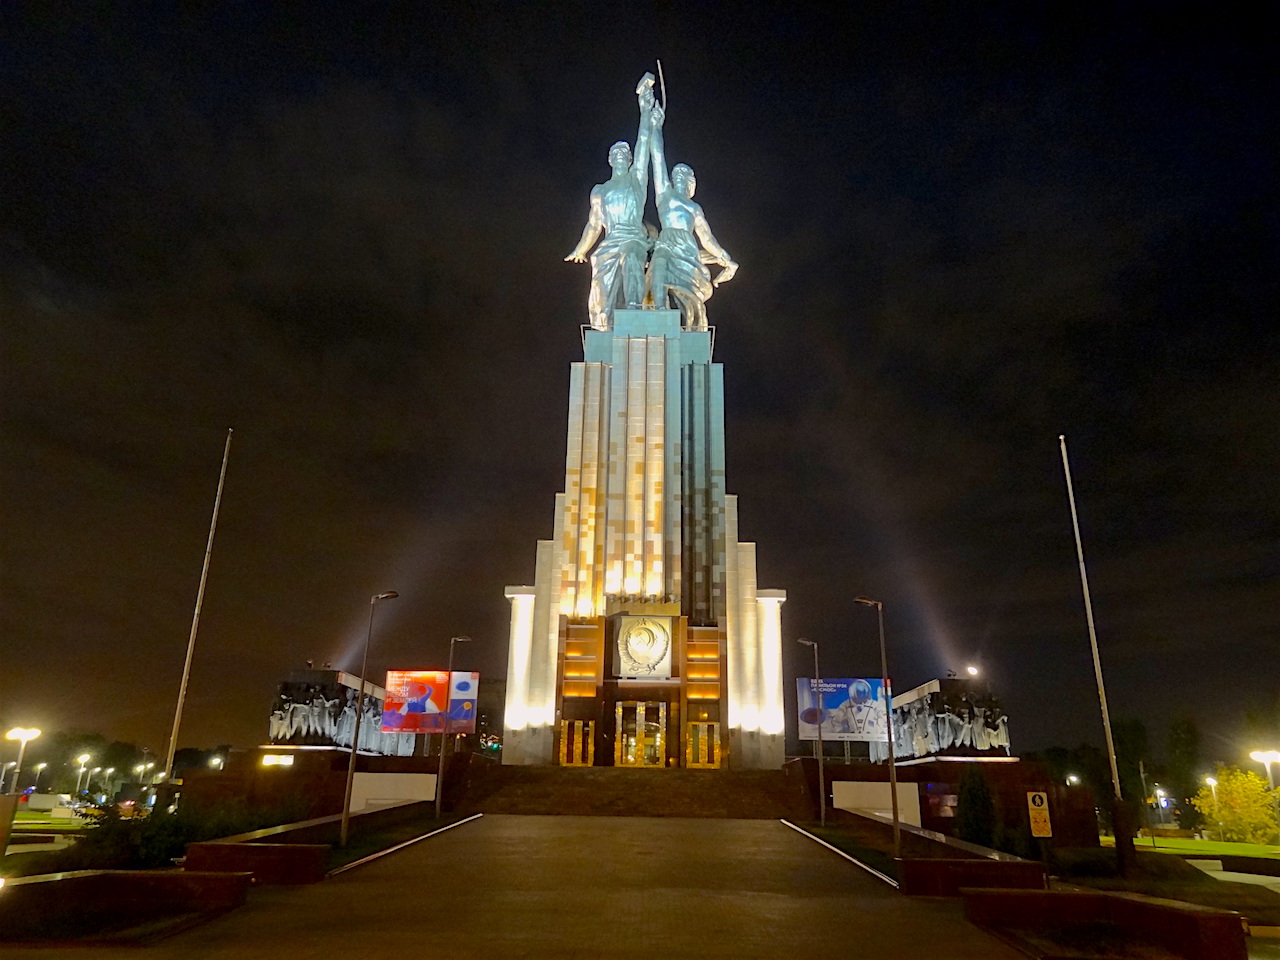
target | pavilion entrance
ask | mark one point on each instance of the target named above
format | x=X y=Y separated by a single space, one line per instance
x=641 y=738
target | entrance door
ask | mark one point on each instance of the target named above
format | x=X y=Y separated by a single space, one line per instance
x=641 y=734
x=702 y=745
x=577 y=743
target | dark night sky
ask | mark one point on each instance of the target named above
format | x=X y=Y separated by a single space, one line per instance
x=963 y=230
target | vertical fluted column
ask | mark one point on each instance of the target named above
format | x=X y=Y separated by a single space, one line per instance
x=652 y=577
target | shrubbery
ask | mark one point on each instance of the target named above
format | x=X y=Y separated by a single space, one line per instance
x=112 y=842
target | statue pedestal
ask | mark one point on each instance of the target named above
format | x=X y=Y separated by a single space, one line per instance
x=695 y=345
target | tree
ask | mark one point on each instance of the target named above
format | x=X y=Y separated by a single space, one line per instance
x=975 y=808
x=1243 y=809
x=1184 y=760
x=1132 y=751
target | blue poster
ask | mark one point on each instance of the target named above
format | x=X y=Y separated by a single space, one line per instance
x=849 y=708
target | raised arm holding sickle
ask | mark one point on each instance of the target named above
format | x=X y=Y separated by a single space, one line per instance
x=617 y=212
x=678 y=266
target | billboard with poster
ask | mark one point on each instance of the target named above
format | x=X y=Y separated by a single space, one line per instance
x=849 y=708
x=429 y=701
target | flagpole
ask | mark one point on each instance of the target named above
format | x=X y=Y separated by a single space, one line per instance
x=195 y=620
x=1093 y=636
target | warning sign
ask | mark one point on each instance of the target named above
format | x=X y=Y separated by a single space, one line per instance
x=1038 y=809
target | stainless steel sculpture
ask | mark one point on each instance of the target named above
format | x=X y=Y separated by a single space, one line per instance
x=685 y=244
x=617 y=211
x=679 y=267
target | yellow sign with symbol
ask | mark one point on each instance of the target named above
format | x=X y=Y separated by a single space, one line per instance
x=1038 y=809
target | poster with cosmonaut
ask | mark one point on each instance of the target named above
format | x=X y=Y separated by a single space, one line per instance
x=848 y=708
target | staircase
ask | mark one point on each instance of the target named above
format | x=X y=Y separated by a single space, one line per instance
x=621 y=792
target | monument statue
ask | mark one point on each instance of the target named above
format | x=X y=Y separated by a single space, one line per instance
x=679 y=267
x=617 y=211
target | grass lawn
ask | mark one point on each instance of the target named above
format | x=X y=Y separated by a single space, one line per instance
x=39 y=821
x=1214 y=848
x=855 y=847
x=1163 y=874
x=362 y=843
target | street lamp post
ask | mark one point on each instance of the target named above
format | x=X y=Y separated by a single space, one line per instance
x=22 y=735
x=822 y=782
x=1267 y=758
x=39 y=768
x=355 y=736
x=444 y=735
x=83 y=760
x=886 y=690
x=4 y=775
x=1213 y=786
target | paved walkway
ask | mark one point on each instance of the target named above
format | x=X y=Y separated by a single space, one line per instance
x=573 y=888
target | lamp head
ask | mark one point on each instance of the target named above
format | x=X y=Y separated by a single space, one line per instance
x=807 y=643
x=1211 y=781
x=22 y=733
x=972 y=670
x=83 y=759
x=389 y=595
x=459 y=639
x=866 y=601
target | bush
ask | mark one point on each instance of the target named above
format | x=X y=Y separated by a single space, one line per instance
x=112 y=842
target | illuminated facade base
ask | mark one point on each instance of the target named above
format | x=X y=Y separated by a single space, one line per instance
x=644 y=640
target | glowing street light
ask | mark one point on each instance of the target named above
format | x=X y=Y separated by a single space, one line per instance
x=83 y=760
x=22 y=735
x=888 y=723
x=822 y=783
x=1072 y=779
x=972 y=670
x=355 y=736
x=1267 y=758
x=39 y=768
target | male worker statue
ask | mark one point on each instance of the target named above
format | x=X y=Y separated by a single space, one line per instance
x=617 y=211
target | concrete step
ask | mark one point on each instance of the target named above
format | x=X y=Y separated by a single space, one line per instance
x=621 y=792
